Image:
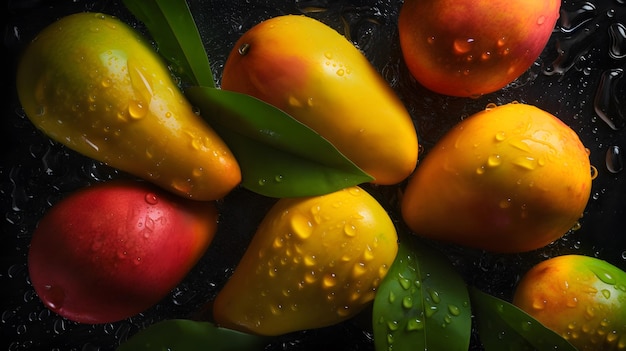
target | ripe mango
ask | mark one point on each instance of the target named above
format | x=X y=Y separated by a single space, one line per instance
x=510 y=178
x=469 y=48
x=114 y=249
x=92 y=83
x=582 y=298
x=313 y=262
x=313 y=73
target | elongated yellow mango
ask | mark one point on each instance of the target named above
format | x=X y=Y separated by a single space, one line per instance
x=92 y=83
x=312 y=72
x=313 y=262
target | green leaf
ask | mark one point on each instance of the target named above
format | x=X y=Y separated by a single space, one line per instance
x=172 y=26
x=503 y=326
x=422 y=303
x=278 y=156
x=188 y=335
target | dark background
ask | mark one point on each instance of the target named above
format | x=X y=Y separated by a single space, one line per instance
x=35 y=172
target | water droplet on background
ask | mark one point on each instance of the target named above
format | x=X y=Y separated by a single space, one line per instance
x=614 y=159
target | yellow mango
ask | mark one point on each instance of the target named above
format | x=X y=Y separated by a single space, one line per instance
x=313 y=262
x=316 y=75
x=510 y=178
x=92 y=83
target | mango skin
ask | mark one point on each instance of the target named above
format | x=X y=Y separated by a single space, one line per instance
x=114 y=249
x=92 y=83
x=313 y=262
x=581 y=298
x=310 y=71
x=473 y=47
x=510 y=178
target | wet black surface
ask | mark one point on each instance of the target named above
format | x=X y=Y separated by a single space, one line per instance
x=579 y=78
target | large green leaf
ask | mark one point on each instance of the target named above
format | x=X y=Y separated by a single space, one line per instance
x=188 y=335
x=503 y=326
x=279 y=156
x=172 y=26
x=422 y=303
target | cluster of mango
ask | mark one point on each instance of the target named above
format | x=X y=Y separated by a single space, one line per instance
x=512 y=178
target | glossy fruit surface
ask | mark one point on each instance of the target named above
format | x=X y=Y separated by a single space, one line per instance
x=469 y=47
x=112 y=250
x=89 y=81
x=313 y=262
x=510 y=178
x=580 y=297
x=316 y=75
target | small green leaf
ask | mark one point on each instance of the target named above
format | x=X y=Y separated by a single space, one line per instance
x=503 y=326
x=172 y=26
x=278 y=156
x=188 y=335
x=422 y=303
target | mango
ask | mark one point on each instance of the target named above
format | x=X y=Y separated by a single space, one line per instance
x=469 y=48
x=114 y=249
x=313 y=73
x=94 y=84
x=313 y=262
x=510 y=178
x=582 y=298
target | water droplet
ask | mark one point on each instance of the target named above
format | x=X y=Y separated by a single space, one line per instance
x=392 y=297
x=349 y=229
x=606 y=103
x=137 y=109
x=462 y=46
x=54 y=297
x=430 y=311
x=405 y=283
x=343 y=312
x=572 y=303
x=494 y=160
x=614 y=160
x=490 y=106
x=500 y=136
x=340 y=72
x=310 y=277
x=301 y=226
x=434 y=295
x=606 y=293
x=415 y=324
x=454 y=310
x=262 y=181
x=571 y=19
x=393 y=325
x=539 y=304
x=407 y=302
x=617 y=32
x=151 y=198
x=243 y=49
x=310 y=260
x=526 y=162
x=541 y=20
x=572 y=48
x=278 y=242
x=329 y=280
x=359 y=269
